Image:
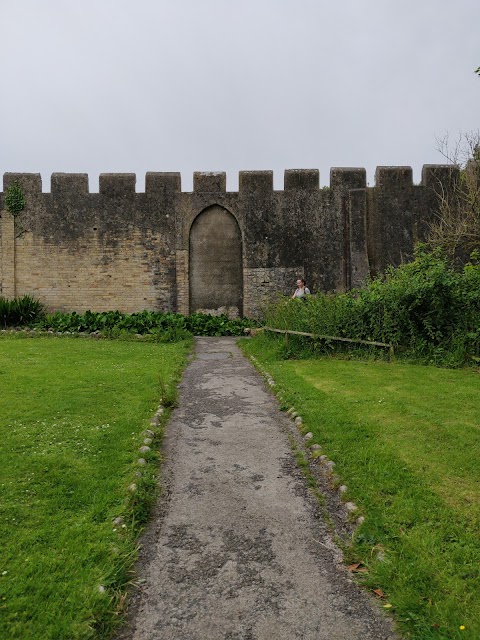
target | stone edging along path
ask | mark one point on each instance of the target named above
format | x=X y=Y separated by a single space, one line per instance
x=239 y=548
x=342 y=515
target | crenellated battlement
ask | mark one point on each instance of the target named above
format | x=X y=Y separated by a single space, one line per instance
x=160 y=183
x=174 y=250
x=435 y=174
x=210 y=182
x=394 y=177
x=123 y=185
x=297 y=179
x=62 y=184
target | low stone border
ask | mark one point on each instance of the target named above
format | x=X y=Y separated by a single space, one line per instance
x=121 y=522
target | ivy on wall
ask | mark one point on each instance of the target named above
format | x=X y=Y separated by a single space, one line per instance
x=14 y=199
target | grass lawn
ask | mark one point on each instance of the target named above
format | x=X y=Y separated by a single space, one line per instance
x=406 y=441
x=71 y=416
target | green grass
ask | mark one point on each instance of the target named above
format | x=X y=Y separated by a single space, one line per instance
x=71 y=416
x=405 y=440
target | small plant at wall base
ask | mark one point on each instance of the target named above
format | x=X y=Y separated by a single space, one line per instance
x=20 y=311
x=14 y=199
x=156 y=325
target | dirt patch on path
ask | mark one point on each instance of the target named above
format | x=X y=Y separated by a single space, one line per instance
x=238 y=549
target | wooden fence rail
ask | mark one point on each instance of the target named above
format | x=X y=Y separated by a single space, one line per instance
x=339 y=339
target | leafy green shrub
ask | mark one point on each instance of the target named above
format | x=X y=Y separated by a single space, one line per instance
x=157 y=326
x=202 y=324
x=5 y=306
x=425 y=307
x=20 y=311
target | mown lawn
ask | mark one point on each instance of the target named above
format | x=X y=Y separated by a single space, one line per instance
x=405 y=440
x=71 y=416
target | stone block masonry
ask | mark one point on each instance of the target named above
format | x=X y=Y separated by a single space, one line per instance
x=265 y=284
x=170 y=250
x=7 y=256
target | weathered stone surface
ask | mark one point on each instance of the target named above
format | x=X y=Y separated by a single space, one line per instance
x=210 y=182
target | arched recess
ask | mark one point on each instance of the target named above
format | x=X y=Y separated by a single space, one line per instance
x=215 y=271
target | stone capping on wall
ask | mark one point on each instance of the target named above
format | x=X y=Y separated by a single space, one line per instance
x=122 y=185
x=64 y=183
x=296 y=179
x=348 y=178
x=210 y=182
x=394 y=177
x=117 y=184
x=162 y=182
x=435 y=174
x=255 y=181
x=29 y=182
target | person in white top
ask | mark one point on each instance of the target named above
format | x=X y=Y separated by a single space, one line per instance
x=301 y=290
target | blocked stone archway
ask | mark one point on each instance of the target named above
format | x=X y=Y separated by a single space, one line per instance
x=215 y=271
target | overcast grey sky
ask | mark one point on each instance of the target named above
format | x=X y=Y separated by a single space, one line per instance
x=214 y=85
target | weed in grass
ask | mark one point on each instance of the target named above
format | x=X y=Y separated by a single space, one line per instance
x=168 y=393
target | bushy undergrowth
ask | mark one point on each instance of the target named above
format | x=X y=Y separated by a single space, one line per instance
x=164 y=327
x=425 y=308
x=20 y=311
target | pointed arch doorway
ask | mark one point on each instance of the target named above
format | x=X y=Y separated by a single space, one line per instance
x=215 y=265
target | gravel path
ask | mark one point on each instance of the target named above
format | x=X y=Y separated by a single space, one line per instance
x=239 y=551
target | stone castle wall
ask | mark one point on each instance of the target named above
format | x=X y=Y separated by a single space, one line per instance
x=119 y=249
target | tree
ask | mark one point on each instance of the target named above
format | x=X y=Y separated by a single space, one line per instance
x=457 y=225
